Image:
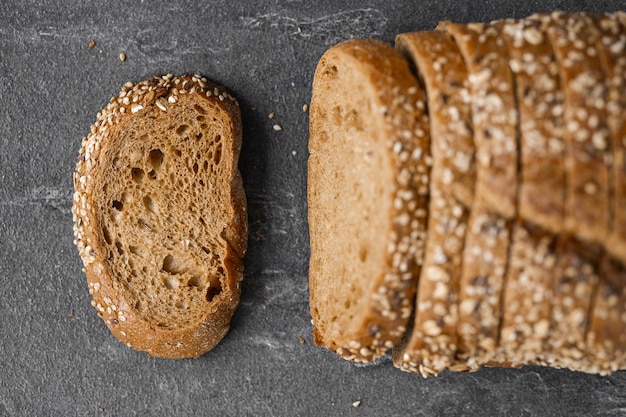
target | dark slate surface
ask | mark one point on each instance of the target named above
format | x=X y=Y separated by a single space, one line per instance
x=57 y=357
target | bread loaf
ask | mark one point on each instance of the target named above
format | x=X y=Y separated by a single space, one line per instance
x=522 y=253
x=160 y=214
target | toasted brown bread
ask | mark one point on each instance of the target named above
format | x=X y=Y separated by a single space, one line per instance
x=160 y=214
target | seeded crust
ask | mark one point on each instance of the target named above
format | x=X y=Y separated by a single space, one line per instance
x=430 y=346
x=612 y=29
x=606 y=339
x=494 y=119
x=164 y=276
x=494 y=113
x=576 y=279
x=588 y=148
x=529 y=280
x=368 y=194
x=540 y=104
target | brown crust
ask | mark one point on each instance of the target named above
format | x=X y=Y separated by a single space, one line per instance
x=398 y=102
x=540 y=105
x=108 y=298
x=576 y=280
x=606 y=339
x=612 y=48
x=494 y=113
x=487 y=242
x=431 y=345
x=529 y=286
x=588 y=148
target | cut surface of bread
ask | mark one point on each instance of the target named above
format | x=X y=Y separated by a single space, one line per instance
x=367 y=192
x=160 y=214
x=430 y=345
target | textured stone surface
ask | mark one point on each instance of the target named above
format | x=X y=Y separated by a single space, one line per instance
x=58 y=358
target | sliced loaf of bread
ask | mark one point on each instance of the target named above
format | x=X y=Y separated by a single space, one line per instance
x=160 y=216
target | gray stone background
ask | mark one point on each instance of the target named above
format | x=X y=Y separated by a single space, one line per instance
x=56 y=356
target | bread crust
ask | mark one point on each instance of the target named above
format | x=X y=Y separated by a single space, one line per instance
x=494 y=113
x=588 y=148
x=430 y=346
x=109 y=296
x=612 y=50
x=488 y=237
x=396 y=103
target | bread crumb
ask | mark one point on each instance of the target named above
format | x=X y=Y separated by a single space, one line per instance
x=271 y=115
x=301 y=340
x=92 y=44
x=294 y=153
x=305 y=108
x=277 y=127
x=122 y=57
x=70 y=315
x=101 y=409
x=356 y=403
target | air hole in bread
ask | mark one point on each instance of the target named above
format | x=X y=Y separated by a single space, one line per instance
x=170 y=283
x=118 y=246
x=107 y=235
x=197 y=280
x=218 y=138
x=173 y=265
x=182 y=305
x=200 y=118
x=363 y=252
x=117 y=205
x=155 y=158
x=136 y=250
x=201 y=182
x=199 y=135
x=183 y=130
x=199 y=109
x=152 y=174
x=336 y=115
x=204 y=126
x=178 y=152
x=213 y=291
x=206 y=250
x=195 y=168
x=217 y=156
x=149 y=204
x=137 y=174
x=331 y=71
x=205 y=165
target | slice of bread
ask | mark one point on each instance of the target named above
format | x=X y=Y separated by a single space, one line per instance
x=430 y=345
x=612 y=48
x=588 y=151
x=576 y=276
x=488 y=237
x=494 y=113
x=539 y=96
x=529 y=281
x=367 y=194
x=160 y=214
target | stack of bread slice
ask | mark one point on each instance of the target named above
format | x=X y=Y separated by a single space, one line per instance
x=466 y=196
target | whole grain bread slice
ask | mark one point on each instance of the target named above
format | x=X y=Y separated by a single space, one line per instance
x=529 y=281
x=587 y=142
x=367 y=193
x=430 y=346
x=488 y=237
x=494 y=113
x=612 y=49
x=160 y=214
